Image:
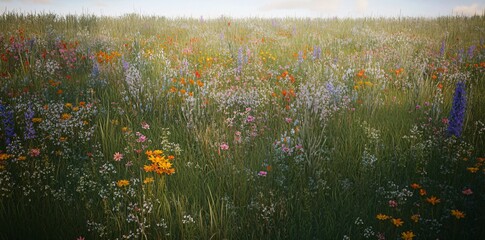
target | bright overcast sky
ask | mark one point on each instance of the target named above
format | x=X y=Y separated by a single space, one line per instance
x=251 y=8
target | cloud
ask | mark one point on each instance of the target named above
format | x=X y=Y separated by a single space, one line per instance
x=327 y=6
x=469 y=10
x=37 y=1
x=361 y=5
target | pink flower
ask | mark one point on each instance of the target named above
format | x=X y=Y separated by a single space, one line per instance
x=467 y=191
x=418 y=107
x=248 y=109
x=145 y=125
x=445 y=121
x=34 y=152
x=392 y=203
x=262 y=173
x=288 y=120
x=117 y=156
x=250 y=119
x=224 y=146
x=80 y=238
x=141 y=137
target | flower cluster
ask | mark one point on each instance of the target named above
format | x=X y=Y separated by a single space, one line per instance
x=160 y=163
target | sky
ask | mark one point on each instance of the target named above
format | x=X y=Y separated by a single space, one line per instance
x=251 y=8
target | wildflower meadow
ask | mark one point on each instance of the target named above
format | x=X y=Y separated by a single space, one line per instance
x=144 y=127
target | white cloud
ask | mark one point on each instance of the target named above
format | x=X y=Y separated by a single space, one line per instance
x=361 y=5
x=470 y=10
x=327 y=6
x=37 y=1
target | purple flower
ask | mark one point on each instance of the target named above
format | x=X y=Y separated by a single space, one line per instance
x=29 y=125
x=457 y=113
x=8 y=123
x=470 y=51
x=442 y=49
x=262 y=173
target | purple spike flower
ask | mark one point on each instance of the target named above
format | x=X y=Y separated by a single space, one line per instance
x=8 y=123
x=457 y=113
x=442 y=49
x=29 y=125
x=470 y=51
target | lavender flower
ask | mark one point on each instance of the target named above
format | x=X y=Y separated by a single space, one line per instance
x=461 y=53
x=29 y=125
x=442 y=49
x=457 y=113
x=8 y=124
x=95 y=70
x=470 y=51
x=317 y=52
x=126 y=65
x=300 y=57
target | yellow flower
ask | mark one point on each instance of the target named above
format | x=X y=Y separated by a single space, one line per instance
x=433 y=200
x=36 y=120
x=66 y=116
x=382 y=216
x=122 y=183
x=472 y=169
x=415 y=218
x=124 y=129
x=148 y=180
x=368 y=84
x=397 y=222
x=21 y=158
x=148 y=168
x=158 y=152
x=75 y=109
x=458 y=214
x=68 y=105
x=408 y=235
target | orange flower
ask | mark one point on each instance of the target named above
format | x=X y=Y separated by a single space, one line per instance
x=422 y=192
x=408 y=235
x=472 y=169
x=397 y=222
x=458 y=214
x=433 y=200
x=66 y=116
x=415 y=217
x=415 y=186
x=122 y=183
x=361 y=73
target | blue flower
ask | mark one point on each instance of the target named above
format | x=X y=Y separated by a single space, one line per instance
x=457 y=113
x=8 y=123
x=29 y=125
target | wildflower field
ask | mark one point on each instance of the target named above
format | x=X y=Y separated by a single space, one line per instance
x=142 y=127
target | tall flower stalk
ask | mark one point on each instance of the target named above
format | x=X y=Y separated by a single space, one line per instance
x=457 y=113
x=8 y=123
x=29 y=125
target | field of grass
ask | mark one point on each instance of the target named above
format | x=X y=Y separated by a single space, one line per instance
x=143 y=127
